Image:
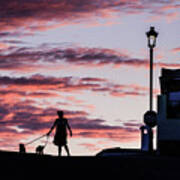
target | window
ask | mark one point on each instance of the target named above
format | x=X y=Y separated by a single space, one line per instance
x=173 y=105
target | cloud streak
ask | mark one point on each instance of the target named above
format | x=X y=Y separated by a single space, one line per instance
x=176 y=50
x=28 y=59
x=39 y=86
x=43 y=15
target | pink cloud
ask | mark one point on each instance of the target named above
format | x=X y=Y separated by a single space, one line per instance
x=176 y=50
x=124 y=94
x=120 y=135
x=22 y=120
x=169 y=7
x=38 y=87
x=34 y=59
x=90 y=147
x=167 y=65
x=45 y=15
x=172 y=17
x=3 y=46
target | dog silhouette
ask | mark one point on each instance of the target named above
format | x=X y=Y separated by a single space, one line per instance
x=22 y=148
x=40 y=150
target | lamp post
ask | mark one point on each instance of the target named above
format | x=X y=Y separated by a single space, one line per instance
x=150 y=117
x=151 y=35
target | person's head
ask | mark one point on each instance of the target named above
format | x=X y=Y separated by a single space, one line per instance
x=60 y=113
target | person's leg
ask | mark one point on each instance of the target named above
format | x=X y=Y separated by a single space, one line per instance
x=59 y=150
x=67 y=150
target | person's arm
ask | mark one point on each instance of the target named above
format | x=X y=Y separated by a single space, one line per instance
x=69 y=128
x=53 y=126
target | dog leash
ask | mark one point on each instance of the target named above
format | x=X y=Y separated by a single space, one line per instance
x=36 y=139
x=47 y=140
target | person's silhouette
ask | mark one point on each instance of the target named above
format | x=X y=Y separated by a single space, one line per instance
x=60 y=138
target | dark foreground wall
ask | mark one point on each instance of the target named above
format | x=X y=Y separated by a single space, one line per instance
x=31 y=166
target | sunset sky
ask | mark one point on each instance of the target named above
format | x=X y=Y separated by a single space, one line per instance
x=86 y=57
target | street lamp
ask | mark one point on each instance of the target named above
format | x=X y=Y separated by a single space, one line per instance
x=150 y=117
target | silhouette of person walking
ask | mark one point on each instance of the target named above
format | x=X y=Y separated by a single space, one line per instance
x=60 y=138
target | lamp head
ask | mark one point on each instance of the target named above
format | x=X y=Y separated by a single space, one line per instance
x=151 y=35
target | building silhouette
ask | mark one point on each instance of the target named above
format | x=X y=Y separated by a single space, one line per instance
x=168 y=119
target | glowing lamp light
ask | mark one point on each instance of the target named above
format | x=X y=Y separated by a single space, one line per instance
x=152 y=35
